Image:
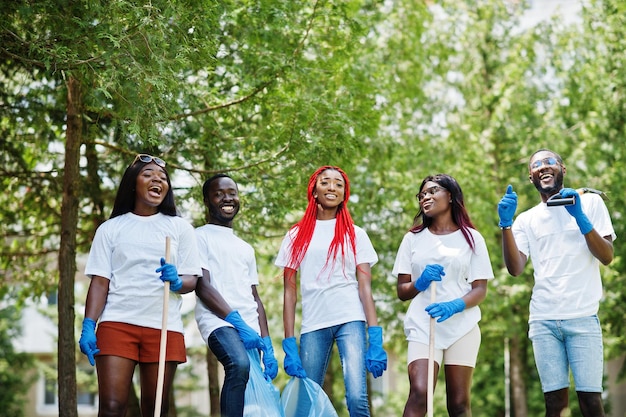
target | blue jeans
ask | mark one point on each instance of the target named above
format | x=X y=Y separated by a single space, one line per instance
x=229 y=350
x=315 y=350
x=559 y=345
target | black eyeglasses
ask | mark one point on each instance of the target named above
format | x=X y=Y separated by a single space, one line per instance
x=429 y=191
x=550 y=162
x=146 y=159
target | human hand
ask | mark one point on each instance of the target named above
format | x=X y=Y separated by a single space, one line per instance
x=249 y=337
x=87 y=340
x=375 y=357
x=292 y=363
x=169 y=273
x=507 y=207
x=269 y=360
x=432 y=272
x=446 y=309
x=576 y=210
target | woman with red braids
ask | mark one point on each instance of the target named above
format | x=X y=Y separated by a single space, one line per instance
x=334 y=258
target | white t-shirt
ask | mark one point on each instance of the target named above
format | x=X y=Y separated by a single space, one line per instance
x=232 y=264
x=567 y=275
x=330 y=295
x=461 y=265
x=127 y=250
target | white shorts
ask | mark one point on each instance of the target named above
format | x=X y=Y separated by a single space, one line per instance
x=462 y=352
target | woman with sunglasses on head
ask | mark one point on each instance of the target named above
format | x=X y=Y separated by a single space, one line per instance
x=127 y=268
x=334 y=258
x=442 y=246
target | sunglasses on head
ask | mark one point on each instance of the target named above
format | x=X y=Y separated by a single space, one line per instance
x=146 y=159
x=545 y=161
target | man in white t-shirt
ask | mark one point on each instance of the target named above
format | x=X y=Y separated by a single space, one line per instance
x=229 y=312
x=566 y=244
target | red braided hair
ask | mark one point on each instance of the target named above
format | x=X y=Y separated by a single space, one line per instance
x=305 y=227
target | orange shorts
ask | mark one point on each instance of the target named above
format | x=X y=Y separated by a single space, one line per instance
x=138 y=343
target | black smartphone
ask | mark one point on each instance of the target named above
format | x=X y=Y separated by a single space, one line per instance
x=558 y=200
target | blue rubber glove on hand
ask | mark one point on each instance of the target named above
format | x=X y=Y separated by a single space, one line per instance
x=446 y=309
x=249 y=337
x=169 y=273
x=507 y=207
x=432 y=272
x=87 y=340
x=292 y=363
x=576 y=210
x=376 y=357
x=269 y=360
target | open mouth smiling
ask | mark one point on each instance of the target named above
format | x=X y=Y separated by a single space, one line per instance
x=155 y=190
x=229 y=208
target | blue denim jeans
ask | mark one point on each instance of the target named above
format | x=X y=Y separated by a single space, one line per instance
x=229 y=350
x=316 y=348
x=561 y=345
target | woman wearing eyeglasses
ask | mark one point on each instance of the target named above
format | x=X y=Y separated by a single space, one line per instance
x=127 y=269
x=442 y=246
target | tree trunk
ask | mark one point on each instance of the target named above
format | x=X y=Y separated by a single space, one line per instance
x=67 y=252
x=518 y=386
x=214 y=383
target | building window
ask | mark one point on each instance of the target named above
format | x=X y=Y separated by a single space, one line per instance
x=50 y=397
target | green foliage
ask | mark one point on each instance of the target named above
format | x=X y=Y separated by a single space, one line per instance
x=270 y=90
x=16 y=368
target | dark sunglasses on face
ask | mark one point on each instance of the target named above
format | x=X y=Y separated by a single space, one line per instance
x=429 y=191
x=146 y=159
x=545 y=161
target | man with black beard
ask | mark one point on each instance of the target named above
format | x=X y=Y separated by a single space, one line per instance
x=229 y=312
x=566 y=245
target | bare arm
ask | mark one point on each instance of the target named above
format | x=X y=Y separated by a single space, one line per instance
x=210 y=296
x=261 y=310
x=189 y=283
x=364 y=278
x=290 y=298
x=513 y=258
x=477 y=294
x=96 y=297
x=405 y=288
x=600 y=247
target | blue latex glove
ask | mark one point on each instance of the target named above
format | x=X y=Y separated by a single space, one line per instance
x=87 y=340
x=249 y=337
x=376 y=357
x=576 y=211
x=432 y=272
x=446 y=309
x=507 y=207
x=292 y=363
x=169 y=273
x=269 y=360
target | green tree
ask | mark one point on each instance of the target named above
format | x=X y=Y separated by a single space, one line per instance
x=269 y=90
x=16 y=368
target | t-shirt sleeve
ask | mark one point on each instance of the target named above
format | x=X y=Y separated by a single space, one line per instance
x=282 y=259
x=188 y=256
x=519 y=229
x=480 y=265
x=365 y=252
x=600 y=217
x=402 y=264
x=99 y=261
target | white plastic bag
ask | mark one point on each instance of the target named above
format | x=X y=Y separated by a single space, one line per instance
x=303 y=397
x=262 y=398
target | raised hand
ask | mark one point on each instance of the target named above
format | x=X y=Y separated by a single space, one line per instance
x=507 y=207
